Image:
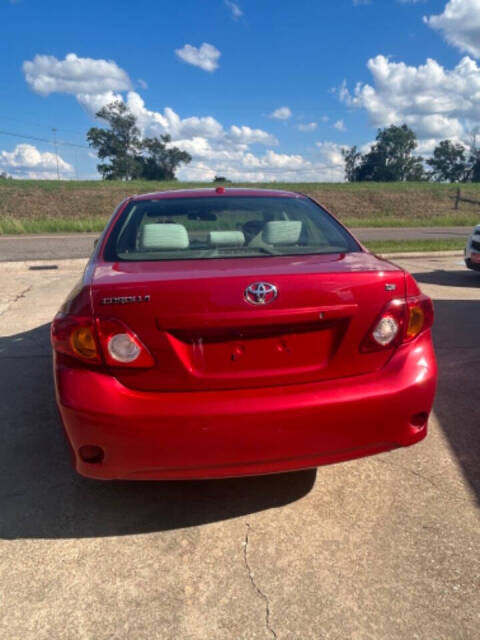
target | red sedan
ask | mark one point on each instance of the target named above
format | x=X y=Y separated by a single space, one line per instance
x=227 y=332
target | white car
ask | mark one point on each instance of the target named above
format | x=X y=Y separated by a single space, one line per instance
x=472 y=250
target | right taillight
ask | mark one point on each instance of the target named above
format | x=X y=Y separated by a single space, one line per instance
x=419 y=316
x=400 y=321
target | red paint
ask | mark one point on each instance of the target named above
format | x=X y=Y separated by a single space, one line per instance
x=234 y=389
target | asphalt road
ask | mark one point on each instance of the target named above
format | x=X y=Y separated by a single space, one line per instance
x=382 y=548
x=79 y=245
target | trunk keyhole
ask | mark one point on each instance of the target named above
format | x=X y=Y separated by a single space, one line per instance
x=237 y=352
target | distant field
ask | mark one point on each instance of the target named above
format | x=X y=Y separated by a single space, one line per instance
x=30 y=206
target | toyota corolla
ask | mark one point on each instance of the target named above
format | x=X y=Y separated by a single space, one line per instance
x=228 y=332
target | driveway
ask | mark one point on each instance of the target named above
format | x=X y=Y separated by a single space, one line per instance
x=385 y=547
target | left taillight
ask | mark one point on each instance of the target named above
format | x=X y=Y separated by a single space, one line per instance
x=99 y=341
x=121 y=346
x=75 y=336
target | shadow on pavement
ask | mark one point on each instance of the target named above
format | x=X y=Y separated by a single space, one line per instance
x=446 y=278
x=42 y=497
x=457 y=342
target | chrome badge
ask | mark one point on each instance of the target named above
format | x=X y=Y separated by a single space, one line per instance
x=125 y=299
x=261 y=293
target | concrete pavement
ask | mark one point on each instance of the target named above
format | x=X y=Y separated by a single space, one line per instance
x=79 y=245
x=385 y=547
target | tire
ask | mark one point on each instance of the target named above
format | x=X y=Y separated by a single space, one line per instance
x=471 y=265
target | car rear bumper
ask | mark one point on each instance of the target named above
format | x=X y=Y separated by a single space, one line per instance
x=172 y=435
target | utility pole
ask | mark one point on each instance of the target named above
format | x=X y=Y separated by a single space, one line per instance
x=56 y=151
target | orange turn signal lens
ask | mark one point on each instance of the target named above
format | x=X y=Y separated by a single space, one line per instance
x=83 y=343
x=416 y=321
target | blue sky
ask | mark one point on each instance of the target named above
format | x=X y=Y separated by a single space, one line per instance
x=295 y=80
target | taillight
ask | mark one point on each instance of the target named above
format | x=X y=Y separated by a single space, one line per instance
x=122 y=347
x=400 y=321
x=420 y=316
x=75 y=336
x=108 y=341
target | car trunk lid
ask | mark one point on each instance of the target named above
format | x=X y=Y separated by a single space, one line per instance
x=204 y=334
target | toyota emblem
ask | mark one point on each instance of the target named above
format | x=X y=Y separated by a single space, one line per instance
x=261 y=293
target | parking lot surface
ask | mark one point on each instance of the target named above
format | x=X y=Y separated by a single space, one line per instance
x=380 y=548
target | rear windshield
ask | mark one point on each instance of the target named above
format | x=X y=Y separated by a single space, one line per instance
x=225 y=227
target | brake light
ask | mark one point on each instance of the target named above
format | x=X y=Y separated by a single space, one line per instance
x=75 y=336
x=99 y=341
x=400 y=322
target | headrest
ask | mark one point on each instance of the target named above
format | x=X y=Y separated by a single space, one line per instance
x=226 y=238
x=282 y=232
x=159 y=235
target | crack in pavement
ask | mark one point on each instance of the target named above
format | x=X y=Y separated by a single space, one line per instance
x=255 y=586
x=408 y=470
x=16 y=299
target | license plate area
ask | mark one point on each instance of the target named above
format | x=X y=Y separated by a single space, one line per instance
x=257 y=351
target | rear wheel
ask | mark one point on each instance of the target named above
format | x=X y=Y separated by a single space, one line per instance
x=472 y=265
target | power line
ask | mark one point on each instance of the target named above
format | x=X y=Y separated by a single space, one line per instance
x=61 y=142
x=38 y=124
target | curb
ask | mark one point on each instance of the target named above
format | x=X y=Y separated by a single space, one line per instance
x=422 y=254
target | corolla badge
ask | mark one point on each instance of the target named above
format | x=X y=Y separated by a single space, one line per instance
x=125 y=299
x=261 y=293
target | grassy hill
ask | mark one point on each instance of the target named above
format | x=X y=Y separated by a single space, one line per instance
x=30 y=206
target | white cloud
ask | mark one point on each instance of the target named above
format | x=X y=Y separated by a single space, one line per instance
x=309 y=126
x=169 y=122
x=215 y=149
x=93 y=102
x=340 y=125
x=435 y=102
x=142 y=84
x=234 y=8
x=460 y=24
x=246 y=135
x=26 y=161
x=282 y=113
x=242 y=165
x=47 y=74
x=206 y=56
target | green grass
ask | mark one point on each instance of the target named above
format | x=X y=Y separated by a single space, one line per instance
x=39 y=206
x=434 y=221
x=394 y=246
x=10 y=225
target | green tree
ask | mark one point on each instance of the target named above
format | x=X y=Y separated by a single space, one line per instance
x=120 y=144
x=352 y=158
x=391 y=158
x=473 y=165
x=160 y=159
x=129 y=157
x=448 y=162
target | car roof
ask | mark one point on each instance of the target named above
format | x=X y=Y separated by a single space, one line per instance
x=217 y=191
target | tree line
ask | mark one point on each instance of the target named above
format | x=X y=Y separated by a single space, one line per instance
x=391 y=159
